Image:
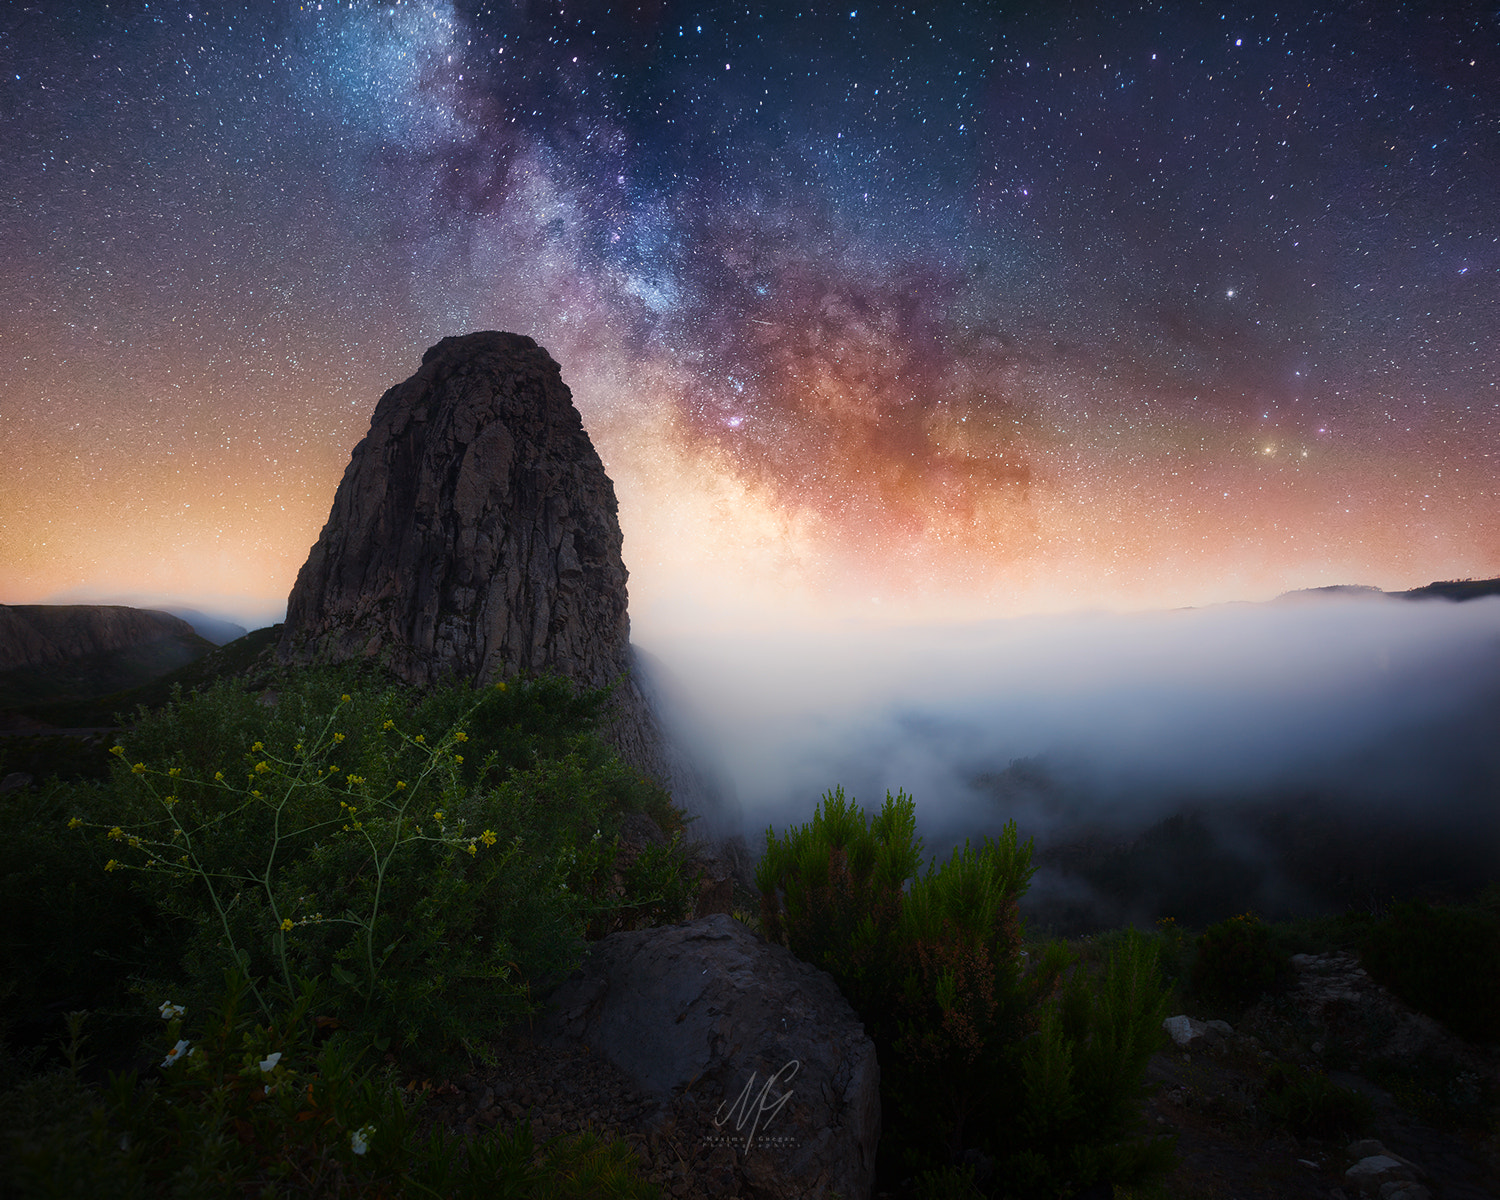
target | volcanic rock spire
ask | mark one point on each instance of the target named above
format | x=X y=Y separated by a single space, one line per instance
x=474 y=535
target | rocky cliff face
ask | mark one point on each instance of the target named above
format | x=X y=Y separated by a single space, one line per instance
x=475 y=535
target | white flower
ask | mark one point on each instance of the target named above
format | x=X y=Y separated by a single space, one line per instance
x=169 y=1010
x=359 y=1140
x=268 y=1064
x=175 y=1053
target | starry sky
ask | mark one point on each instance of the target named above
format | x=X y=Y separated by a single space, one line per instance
x=940 y=310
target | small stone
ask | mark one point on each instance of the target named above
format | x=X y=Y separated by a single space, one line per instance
x=1183 y=1030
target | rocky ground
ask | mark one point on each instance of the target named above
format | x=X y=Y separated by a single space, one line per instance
x=1433 y=1133
x=1431 y=1136
x=1208 y=1091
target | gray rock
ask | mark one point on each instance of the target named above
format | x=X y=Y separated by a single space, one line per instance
x=1184 y=1030
x=707 y=1013
x=475 y=535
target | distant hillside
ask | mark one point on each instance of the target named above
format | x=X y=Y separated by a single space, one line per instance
x=1452 y=589
x=216 y=629
x=80 y=651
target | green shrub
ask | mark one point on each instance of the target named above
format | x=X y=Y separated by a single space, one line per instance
x=1235 y=962
x=242 y=1108
x=1309 y=1104
x=367 y=839
x=979 y=1046
x=1444 y=962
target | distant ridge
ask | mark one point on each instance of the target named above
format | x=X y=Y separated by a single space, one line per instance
x=1452 y=589
x=78 y=651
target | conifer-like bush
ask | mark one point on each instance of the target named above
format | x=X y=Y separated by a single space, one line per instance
x=1030 y=1059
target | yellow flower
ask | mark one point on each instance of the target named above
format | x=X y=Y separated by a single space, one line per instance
x=286 y=923
x=111 y=865
x=400 y=785
x=460 y=736
x=389 y=725
x=74 y=822
x=219 y=776
x=354 y=780
x=138 y=769
x=458 y=758
x=115 y=834
x=257 y=748
x=262 y=767
x=337 y=738
x=488 y=837
x=345 y=698
x=333 y=770
x=133 y=840
x=257 y=795
x=500 y=687
x=175 y=773
x=420 y=738
x=169 y=800
x=120 y=750
x=183 y=860
x=473 y=849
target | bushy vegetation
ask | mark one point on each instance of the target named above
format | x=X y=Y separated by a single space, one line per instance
x=1036 y=1062
x=1235 y=962
x=1444 y=962
x=265 y=868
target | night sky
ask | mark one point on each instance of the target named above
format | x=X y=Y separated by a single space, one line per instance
x=943 y=310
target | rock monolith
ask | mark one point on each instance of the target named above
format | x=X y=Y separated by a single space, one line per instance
x=475 y=535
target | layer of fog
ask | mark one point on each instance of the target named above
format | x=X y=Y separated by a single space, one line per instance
x=1104 y=724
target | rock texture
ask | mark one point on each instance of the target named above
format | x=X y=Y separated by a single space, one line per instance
x=475 y=535
x=763 y=1044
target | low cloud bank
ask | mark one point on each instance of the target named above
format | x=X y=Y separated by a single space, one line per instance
x=1364 y=713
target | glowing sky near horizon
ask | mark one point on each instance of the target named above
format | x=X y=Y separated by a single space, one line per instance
x=916 y=311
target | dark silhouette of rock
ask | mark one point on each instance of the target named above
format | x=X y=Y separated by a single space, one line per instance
x=705 y=1013
x=475 y=535
x=79 y=651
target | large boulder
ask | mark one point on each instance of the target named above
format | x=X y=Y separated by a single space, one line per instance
x=705 y=1016
x=475 y=535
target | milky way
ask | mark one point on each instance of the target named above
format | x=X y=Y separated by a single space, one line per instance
x=916 y=311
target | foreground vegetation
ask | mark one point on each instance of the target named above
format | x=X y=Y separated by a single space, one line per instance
x=224 y=955
x=284 y=900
